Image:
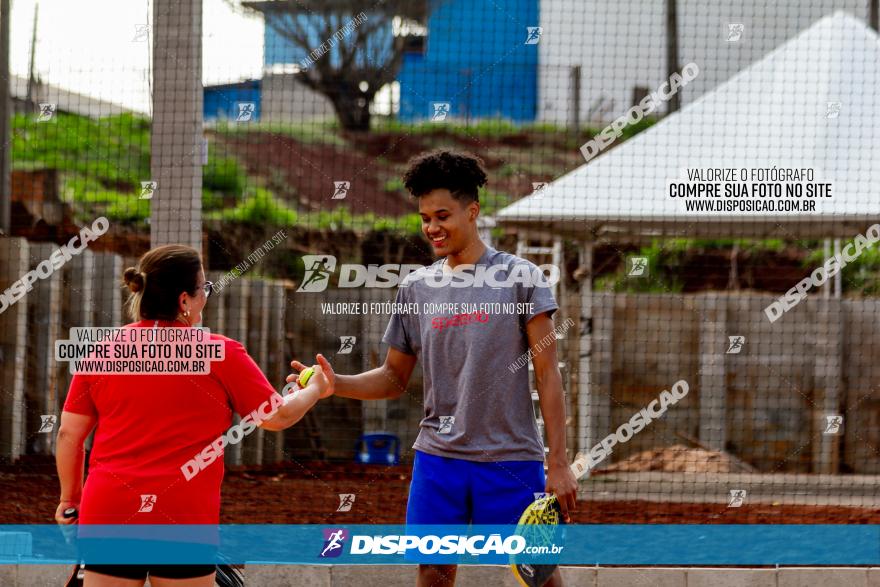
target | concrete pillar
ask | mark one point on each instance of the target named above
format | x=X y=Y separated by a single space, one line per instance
x=713 y=344
x=828 y=376
x=77 y=306
x=78 y=296
x=237 y=295
x=44 y=323
x=278 y=362
x=176 y=138
x=5 y=121
x=257 y=344
x=107 y=290
x=13 y=348
x=585 y=431
x=599 y=410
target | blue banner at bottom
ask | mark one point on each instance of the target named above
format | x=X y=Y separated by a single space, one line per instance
x=637 y=544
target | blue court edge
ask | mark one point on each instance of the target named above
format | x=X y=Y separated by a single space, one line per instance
x=635 y=544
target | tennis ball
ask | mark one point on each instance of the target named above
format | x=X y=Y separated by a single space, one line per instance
x=305 y=376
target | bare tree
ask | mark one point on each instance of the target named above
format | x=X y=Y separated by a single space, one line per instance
x=352 y=47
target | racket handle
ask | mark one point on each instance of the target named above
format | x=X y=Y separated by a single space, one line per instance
x=70 y=513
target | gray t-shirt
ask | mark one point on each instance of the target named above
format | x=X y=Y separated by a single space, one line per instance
x=466 y=359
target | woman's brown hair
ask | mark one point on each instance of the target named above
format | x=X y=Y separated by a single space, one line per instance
x=161 y=275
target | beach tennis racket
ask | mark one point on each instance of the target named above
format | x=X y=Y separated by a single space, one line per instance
x=539 y=524
x=227 y=575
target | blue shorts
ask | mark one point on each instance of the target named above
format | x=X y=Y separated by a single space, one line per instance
x=454 y=491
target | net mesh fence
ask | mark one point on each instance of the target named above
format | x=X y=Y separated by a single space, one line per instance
x=700 y=178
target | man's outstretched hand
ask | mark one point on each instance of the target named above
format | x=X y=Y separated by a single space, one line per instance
x=326 y=368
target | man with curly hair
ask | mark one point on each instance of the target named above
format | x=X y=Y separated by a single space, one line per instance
x=479 y=458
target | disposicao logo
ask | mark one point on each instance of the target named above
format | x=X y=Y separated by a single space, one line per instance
x=319 y=268
x=334 y=542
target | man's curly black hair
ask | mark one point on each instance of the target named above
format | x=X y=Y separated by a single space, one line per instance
x=460 y=173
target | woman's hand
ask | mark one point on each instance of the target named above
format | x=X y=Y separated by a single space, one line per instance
x=323 y=371
x=59 y=512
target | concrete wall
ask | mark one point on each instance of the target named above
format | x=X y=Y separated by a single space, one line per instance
x=766 y=404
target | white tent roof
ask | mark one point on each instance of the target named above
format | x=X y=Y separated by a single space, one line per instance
x=774 y=113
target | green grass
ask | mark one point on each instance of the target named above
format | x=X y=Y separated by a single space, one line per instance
x=115 y=149
x=128 y=212
x=316 y=132
x=394 y=185
x=860 y=276
x=103 y=161
x=81 y=189
x=665 y=258
x=259 y=206
x=341 y=218
x=224 y=175
x=484 y=127
x=631 y=130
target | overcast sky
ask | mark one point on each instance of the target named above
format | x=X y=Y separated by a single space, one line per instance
x=88 y=46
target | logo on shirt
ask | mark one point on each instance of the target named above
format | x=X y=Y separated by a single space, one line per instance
x=441 y=322
x=334 y=540
x=147 y=503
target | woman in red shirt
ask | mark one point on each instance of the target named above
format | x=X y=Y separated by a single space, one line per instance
x=150 y=427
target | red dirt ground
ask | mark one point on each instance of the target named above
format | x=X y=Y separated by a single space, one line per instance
x=294 y=493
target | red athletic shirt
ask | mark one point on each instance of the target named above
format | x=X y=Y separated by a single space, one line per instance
x=150 y=425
